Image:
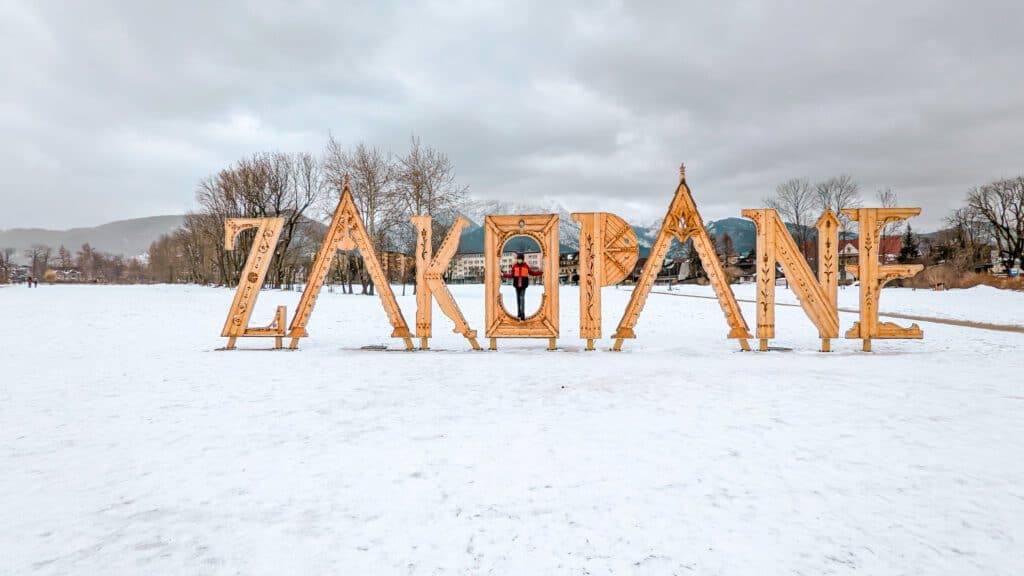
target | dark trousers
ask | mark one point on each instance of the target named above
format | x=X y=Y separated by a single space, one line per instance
x=521 y=302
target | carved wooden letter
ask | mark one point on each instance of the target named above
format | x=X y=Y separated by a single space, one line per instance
x=608 y=252
x=683 y=222
x=874 y=276
x=347 y=232
x=543 y=228
x=775 y=245
x=430 y=280
x=253 y=274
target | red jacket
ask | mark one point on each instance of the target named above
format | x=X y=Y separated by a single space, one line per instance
x=520 y=274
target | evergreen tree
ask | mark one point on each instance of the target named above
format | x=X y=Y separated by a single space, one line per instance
x=910 y=251
x=696 y=266
x=728 y=249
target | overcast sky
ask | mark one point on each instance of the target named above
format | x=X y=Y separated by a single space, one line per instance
x=113 y=110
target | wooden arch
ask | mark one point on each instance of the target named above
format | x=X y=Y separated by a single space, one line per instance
x=543 y=228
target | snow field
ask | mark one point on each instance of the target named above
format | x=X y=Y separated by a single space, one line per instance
x=129 y=446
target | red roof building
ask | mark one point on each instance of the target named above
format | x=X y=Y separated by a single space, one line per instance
x=888 y=250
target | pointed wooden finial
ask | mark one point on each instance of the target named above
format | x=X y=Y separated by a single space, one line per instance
x=346 y=181
x=828 y=218
x=682 y=171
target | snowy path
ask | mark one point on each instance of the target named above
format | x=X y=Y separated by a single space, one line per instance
x=675 y=291
x=979 y=304
x=128 y=446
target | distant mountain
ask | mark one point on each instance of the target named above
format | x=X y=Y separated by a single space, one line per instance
x=741 y=230
x=125 y=237
x=133 y=237
x=472 y=240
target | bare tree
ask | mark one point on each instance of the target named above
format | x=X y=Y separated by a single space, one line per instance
x=64 y=259
x=85 y=260
x=308 y=184
x=888 y=199
x=968 y=244
x=427 y=186
x=1000 y=206
x=728 y=249
x=372 y=179
x=837 y=194
x=6 y=264
x=795 y=201
x=371 y=175
x=261 y=186
x=39 y=259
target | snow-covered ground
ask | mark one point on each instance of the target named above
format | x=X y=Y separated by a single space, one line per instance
x=978 y=304
x=129 y=446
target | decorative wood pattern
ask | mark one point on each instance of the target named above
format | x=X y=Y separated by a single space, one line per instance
x=873 y=276
x=828 y=263
x=430 y=280
x=347 y=232
x=683 y=222
x=608 y=252
x=424 y=301
x=543 y=228
x=268 y=230
x=776 y=245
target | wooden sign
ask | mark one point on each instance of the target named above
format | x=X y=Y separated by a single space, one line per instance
x=683 y=222
x=873 y=276
x=268 y=230
x=347 y=232
x=430 y=280
x=608 y=252
x=542 y=228
x=817 y=296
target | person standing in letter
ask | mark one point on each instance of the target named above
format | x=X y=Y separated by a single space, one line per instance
x=520 y=275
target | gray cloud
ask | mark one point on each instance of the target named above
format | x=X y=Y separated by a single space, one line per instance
x=116 y=109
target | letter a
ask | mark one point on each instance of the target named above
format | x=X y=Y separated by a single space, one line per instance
x=430 y=280
x=346 y=232
x=683 y=222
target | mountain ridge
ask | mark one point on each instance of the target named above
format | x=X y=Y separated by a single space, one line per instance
x=129 y=237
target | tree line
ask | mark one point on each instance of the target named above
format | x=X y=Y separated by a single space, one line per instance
x=84 y=265
x=304 y=189
x=990 y=219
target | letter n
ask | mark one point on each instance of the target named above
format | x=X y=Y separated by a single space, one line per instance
x=818 y=298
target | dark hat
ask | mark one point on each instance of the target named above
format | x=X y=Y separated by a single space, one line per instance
x=519 y=256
